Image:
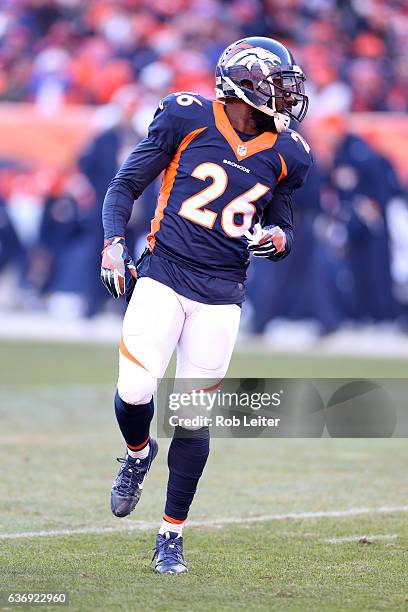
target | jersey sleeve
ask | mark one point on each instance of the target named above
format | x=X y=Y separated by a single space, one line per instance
x=141 y=167
x=176 y=116
x=280 y=212
x=297 y=160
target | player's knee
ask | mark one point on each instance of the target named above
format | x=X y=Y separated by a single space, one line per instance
x=138 y=389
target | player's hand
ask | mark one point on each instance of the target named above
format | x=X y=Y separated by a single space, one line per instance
x=115 y=259
x=268 y=242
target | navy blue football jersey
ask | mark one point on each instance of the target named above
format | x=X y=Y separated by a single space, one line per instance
x=217 y=184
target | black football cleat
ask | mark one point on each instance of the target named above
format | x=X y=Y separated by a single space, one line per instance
x=128 y=486
x=169 y=554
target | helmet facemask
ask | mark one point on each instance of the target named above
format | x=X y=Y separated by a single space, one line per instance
x=257 y=77
x=288 y=95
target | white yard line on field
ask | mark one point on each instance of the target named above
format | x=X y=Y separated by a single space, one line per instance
x=126 y=526
x=365 y=538
x=54 y=533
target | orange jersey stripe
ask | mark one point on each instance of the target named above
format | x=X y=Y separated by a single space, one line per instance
x=284 y=171
x=123 y=349
x=167 y=185
x=246 y=148
x=172 y=520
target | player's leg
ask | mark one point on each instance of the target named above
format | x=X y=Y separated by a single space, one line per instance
x=151 y=329
x=204 y=352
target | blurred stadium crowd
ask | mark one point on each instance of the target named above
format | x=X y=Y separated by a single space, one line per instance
x=350 y=261
x=354 y=51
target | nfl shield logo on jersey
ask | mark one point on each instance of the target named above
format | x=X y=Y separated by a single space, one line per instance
x=242 y=150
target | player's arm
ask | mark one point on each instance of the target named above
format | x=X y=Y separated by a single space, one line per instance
x=150 y=157
x=278 y=219
x=142 y=166
x=173 y=119
x=274 y=240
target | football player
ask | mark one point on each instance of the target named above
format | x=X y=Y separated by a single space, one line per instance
x=230 y=169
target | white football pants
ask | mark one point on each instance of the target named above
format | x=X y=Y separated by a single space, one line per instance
x=157 y=321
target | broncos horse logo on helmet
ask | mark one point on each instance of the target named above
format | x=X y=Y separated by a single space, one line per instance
x=262 y=72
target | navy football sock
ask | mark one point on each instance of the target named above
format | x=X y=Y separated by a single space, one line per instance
x=134 y=421
x=187 y=457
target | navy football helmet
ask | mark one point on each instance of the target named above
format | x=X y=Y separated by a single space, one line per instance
x=262 y=72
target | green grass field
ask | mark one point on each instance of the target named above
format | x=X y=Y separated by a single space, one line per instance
x=58 y=442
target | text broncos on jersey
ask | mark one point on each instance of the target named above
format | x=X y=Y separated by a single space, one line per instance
x=231 y=163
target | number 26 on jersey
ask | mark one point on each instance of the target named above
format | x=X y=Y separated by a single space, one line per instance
x=193 y=208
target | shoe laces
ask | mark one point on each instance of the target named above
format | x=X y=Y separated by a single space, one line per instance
x=129 y=473
x=172 y=548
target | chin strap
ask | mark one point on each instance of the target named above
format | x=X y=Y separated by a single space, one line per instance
x=282 y=122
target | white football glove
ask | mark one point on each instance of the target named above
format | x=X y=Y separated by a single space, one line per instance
x=268 y=242
x=115 y=259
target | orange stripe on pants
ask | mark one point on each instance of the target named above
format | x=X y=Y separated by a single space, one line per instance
x=125 y=353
